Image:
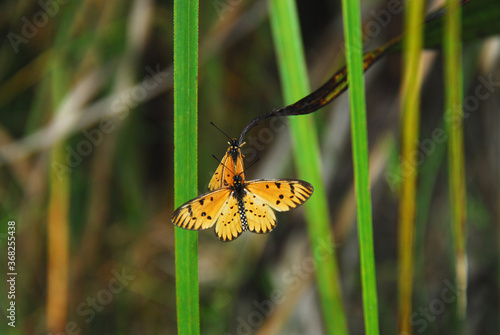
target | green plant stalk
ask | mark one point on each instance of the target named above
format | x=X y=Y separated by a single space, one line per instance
x=410 y=107
x=186 y=160
x=292 y=66
x=354 y=60
x=58 y=243
x=58 y=216
x=454 y=122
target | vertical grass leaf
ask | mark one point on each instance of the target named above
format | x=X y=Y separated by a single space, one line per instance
x=410 y=108
x=454 y=122
x=185 y=160
x=354 y=59
x=294 y=79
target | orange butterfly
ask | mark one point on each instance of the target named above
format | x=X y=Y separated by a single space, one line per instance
x=242 y=206
x=232 y=161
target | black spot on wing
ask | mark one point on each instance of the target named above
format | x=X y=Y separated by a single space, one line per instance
x=278 y=185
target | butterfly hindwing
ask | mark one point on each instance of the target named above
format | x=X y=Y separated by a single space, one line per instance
x=280 y=194
x=230 y=165
x=203 y=211
x=228 y=225
x=260 y=217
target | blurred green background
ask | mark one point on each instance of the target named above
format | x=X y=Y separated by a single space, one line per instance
x=86 y=139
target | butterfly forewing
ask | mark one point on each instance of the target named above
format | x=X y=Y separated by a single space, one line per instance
x=203 y=211
x=260 y=217
x=281 y=194
x=230 y=165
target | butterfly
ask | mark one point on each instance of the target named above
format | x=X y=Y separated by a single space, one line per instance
x=232 y=161
x=241 y=206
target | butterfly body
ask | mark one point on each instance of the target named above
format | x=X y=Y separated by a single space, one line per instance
x=238 y=193
x=241 y=206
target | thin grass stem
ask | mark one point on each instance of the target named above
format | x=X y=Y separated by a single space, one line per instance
x=185 y=160
x=410 y=108
x=354 y=58
x=291 y=61
x=454 y=122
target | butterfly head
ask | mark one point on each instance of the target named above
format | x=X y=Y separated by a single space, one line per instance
x=234 y=148
x=234 y=145
x=237 y=179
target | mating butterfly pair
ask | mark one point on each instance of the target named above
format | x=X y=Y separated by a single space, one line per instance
x=234 y=205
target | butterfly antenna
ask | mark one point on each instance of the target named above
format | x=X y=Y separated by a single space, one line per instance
x=213 y=124
x=251 y=164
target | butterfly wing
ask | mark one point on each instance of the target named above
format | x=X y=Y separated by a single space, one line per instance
x=260 y=217
x=238 y=163
x=228 y=225
x=203 y=211
x=219 y=179
x=219 y=207
x=280 y=194
x=230 y=165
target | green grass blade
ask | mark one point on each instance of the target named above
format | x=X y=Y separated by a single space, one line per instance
x=454 y=123
x=291 y=62
x=479 y=19
x=185 y=160
x=354 y=59
x=58 y=224
x=58 y=217
x=410 y=107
